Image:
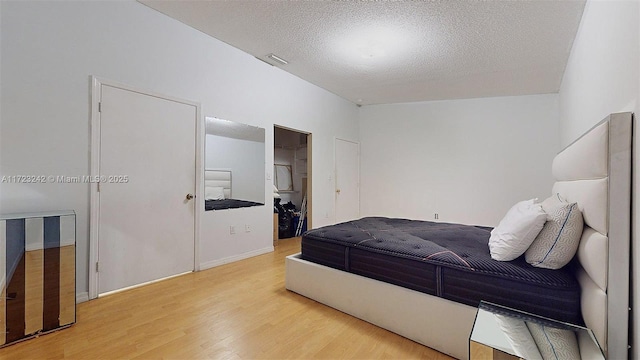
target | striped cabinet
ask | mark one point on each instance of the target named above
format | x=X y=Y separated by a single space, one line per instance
x=37 y=273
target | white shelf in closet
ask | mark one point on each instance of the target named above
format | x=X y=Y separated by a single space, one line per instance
x=300 y=160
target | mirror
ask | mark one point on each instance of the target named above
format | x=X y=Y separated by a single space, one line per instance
x=38 y=274
x=528 y=336
x=34 y=265
x=234 y=165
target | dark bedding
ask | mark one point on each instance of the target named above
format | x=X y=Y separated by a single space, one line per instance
x=451 y=261
x=228 y=204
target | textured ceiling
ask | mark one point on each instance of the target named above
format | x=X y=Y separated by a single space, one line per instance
x=378 y=52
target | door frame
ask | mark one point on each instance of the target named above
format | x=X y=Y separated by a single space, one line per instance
x=94 y=209
x=309 y=168
x=335 y=175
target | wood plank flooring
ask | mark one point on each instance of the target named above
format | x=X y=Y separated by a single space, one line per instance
x=236 y=311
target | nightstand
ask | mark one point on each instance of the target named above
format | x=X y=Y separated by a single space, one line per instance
x=503 y=333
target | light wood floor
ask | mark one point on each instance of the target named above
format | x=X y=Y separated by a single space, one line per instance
x=236 y=311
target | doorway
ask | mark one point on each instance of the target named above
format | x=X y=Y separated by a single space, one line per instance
x=143 y=217
x=292 y=182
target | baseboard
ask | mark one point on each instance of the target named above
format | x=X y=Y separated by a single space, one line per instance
x=33 y=246
x=67 y=242
x=40 y=245
x=82 y=297
x=230 y=259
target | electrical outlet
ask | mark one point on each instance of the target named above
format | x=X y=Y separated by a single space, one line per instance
x=247 y=228
x=436 y=216
x=232 y=229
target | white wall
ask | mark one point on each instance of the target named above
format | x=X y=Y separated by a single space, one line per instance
x=467 y=160
x=603 y=77
x=48 y=52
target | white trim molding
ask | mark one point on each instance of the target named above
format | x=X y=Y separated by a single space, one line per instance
x=230 y=259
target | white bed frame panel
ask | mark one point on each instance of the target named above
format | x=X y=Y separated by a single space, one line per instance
x=218 y=178
x=619 y=274
x=438 y=323
x=595 y=172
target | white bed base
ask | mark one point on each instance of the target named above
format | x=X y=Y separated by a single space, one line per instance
x=595 y=172
x=429 y=320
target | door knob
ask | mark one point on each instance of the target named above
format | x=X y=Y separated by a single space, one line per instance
x=190 y=196
x=338 y=191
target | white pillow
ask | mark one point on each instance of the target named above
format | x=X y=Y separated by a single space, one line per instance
x=559 y=239
x=554 y=343
x=517 y=230
x=214 y=193
x=519 y=337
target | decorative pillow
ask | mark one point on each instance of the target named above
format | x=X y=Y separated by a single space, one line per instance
x=554 y=343
x=558 y=241
x=519 y=337
x=214 y=193
x=516 y=230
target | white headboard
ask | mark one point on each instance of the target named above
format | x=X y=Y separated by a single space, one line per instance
x=595 y=172
x=218 y=178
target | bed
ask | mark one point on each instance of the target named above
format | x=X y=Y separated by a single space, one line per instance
x=451 y=261
x=594 y=172
x=218 y=194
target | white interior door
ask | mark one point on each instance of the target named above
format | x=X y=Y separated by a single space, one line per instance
x=347 y=180
x=146 y=224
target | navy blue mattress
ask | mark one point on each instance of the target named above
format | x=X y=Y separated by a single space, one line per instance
x=451 y=261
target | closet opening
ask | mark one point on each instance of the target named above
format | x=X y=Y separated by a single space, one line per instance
x=291 y=182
